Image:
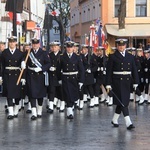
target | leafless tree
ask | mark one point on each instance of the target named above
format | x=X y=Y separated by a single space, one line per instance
x=122 y=14
x=63 y=19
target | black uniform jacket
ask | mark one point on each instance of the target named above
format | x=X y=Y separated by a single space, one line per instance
x=53 y=76
x=70 y=82
x=101 y=74
x=146 y=68
x=10 y=76
x=120 y=83
x=92 y=65
x=36 y=80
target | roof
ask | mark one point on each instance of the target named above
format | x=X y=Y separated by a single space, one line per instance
x=133 y=30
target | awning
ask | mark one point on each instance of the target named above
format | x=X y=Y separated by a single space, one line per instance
x=129 y=31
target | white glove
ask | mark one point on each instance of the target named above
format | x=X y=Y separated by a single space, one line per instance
x=23 y=81
x=98 y=69
x=37 y=69
x=102 y=69
x=146 y=69
x=80 y=85
x=142 y=80
x=60 y=82
x=1 y=80
x=146 y=80
x=88 y=70
x=23 y=65
x=108 y=87
x=52 y=68
x=135 y=86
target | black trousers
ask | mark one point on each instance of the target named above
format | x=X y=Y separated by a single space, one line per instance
x=89 y=89
x=10 y=101
x=146 y=88
x=124 y=110
x=33 y=102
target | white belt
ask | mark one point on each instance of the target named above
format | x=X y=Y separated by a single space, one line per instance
x=31 y=68
x=70 y=73
x=122 y=72
x=13 y=68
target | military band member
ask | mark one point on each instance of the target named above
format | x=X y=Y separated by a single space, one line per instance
x=100 y=76
x=54 y=85
x=139 y=62
x=72 y=77
x=12 y=62
x=120 y=67
x=37 y=65
x=2 y=46
x=90 y=67
x=146 y=68
x=76 y=48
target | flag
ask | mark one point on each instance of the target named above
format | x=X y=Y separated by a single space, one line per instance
x=55 y=13
x=101 y=35
x=93 y=37
x=18 y=17
x=108 y=49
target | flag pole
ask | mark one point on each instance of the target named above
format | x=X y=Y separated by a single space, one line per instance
x=21 y=73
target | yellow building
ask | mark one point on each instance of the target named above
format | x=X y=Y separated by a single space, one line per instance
x=137 y=20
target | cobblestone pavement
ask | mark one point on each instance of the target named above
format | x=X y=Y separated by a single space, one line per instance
x=89 y=130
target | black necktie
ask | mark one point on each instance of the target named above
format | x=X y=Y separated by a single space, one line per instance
x=69 y=55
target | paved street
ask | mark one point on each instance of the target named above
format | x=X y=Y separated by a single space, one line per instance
x=90 y=130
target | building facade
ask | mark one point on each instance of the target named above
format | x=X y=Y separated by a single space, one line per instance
x=83 y=13
x=137 y=20
x=33 y=10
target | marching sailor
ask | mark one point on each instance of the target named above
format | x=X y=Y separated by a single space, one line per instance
x=72 y=76
x=120 y=70
x=12 y=62
x=37 y=79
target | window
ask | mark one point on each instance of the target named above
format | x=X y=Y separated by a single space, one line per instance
x=117 y=5
x=141 y=8
x=56 y=30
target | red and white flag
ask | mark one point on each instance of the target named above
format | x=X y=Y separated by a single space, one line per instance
x=55 y=13
x=18 y=17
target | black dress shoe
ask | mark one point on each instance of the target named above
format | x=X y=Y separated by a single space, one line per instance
x=10 y=117
x=91 y=106
x=130 y=127
x=49 y=111
x=115 y=125
x=141 y=103
x=5 y=106
x=6 y=110
x=16 y=116
x=131 y=100
x=70 y=117
x=33 y=117
x=39 y=116
x=80 y=108
x=61 y=110
x=25 y=103
x=28 y=111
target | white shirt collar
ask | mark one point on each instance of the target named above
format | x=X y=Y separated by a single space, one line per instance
x=56 y=53
x=12 y=50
